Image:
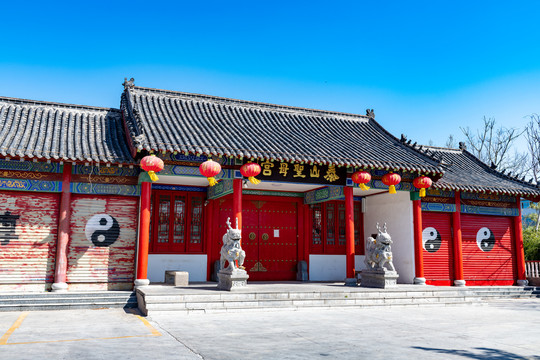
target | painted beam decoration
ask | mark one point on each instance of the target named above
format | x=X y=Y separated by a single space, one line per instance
x=304 y=173
x=30 y=166
x=325 y=194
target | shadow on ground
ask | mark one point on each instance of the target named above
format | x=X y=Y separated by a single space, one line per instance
x=481 y=353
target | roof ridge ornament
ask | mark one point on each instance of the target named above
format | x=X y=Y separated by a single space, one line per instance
x=462 y=146
x=129 y=84
x=370 y=113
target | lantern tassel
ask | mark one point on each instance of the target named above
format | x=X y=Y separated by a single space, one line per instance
x=392 y=189
x=363 y=186
x=212 y=181
x=153 y=176
x=254 y=180
x=422 y=192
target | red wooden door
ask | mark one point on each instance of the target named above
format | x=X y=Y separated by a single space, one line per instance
x=269 y=237
x=488 y=253
x=277 y=241
x=250 y=234
x=437 y=248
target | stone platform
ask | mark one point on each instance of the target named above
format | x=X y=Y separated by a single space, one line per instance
x=206 y=297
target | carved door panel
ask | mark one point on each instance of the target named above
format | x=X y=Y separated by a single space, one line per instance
x=250 y=234
x=269 y=237
x=278 y=241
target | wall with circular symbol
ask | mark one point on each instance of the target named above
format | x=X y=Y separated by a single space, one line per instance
x=438 y=249
x=488 y=250
x=485 y=239
x=102 y=243
x=102 y=230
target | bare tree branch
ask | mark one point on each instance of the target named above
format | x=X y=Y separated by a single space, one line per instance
x=494 y=146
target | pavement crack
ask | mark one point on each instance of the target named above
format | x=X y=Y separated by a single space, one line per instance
x=192 y=350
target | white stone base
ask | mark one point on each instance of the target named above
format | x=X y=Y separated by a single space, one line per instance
x=59 y=287
x=232 y=280
x=351 y=282
x=523 y=282
x=460 y=283
x=378 y=279
x=141 y=282
x=419 y=281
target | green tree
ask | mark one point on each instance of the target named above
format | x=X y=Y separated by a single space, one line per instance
x=531 y=243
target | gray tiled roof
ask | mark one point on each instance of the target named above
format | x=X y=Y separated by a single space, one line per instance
x=465 y=172
x=44 y=130
x=160 y=120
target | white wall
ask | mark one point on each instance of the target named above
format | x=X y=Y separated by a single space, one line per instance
x=194 y=264
x=331 y=267
x=327 y=268
x=396 y=211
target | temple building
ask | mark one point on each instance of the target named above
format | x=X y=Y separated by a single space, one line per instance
x=79 y=213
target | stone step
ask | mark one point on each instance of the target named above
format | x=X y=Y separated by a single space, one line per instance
x=66 y=306
x=8 y=295
x=201 y=304
x=67 y=300
x=215 y=307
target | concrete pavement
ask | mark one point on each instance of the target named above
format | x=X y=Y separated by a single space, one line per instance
x=507 y=329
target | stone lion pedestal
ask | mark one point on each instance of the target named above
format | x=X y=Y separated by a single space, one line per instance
x=379 y=278
x=234 y=276
x=232 y=280
x=380 y=272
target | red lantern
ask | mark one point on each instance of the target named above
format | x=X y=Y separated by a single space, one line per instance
x=152 y=164
x=391 y=179
x=209 y=169
x=250 y=170
x=361 y=178
x=422 y=183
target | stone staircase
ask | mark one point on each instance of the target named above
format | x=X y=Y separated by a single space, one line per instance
x=68 y=300
x=157 y=299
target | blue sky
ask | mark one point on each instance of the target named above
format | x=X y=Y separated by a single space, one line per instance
x=426 y=67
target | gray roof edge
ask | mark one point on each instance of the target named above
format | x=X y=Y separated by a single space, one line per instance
x=419 y=153
x=19 y=101
x=239 y=102
x=496 y=172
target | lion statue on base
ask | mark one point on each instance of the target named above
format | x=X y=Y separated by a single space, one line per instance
x=379 y=251
x=231 y=251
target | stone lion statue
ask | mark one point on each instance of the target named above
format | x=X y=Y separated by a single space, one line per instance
x=231 y=251
x=379 y=251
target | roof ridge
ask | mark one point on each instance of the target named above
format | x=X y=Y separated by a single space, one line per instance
x=254 y=103
x=441 y=148
x=497 y=172
x=65 y=105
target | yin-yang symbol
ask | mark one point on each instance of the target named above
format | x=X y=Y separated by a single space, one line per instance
x=485 y=239
x=102 y=230
x=431 y=239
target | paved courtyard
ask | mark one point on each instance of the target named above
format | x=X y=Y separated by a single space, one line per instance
x=506 y=329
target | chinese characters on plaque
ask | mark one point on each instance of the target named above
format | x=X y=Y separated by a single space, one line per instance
x=305 y=173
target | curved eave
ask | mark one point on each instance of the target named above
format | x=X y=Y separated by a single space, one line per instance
x=528 y=194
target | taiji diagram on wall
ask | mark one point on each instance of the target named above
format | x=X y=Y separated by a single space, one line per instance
x=431 y=239
x=485 y=239
x=7 y=227
x=102 y=230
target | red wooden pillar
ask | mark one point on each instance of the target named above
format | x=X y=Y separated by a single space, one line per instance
x=418 y=255
x=237 y=203
x=459 y=280
x=60 y=270
x=144 y=236
x=349 y=235
x=520 y=255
